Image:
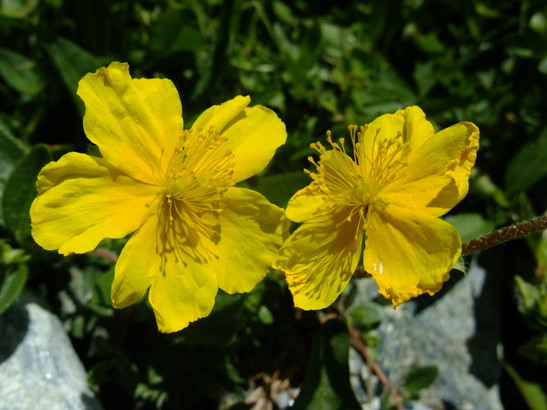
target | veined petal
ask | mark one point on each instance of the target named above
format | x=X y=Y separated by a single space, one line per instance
x=437 y=175
x=252 y=134
x=219 y=116
x=305 y=203
x=251 y=232
x=319 y=258
x=83 y=199
x=408 y=253
x=182 y=289
x=136 y=123
x=417 y=130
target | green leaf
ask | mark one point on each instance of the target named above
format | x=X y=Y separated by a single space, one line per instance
x=535 y=349
x=326 y=385
x=19 y=72
x=17 y=8
x=72 y=62
x=532 y=392
x=10 y=152
x=528 y=166
x=13 y=281
x=470 y=225
x=460 y=265
x=173 y=32
x=279 y=188
x=366 y=314
x=532 y=302
x=20 y=190
x=420 y=377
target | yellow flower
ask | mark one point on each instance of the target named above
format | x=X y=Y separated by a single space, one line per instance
x=399 y=179
x=194 y=231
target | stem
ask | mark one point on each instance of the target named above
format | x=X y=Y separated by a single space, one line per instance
x=505 y=234
x=373 y=366
x=105 y=254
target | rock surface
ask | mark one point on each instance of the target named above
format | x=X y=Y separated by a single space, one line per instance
x=457 y=331
x=39 y=368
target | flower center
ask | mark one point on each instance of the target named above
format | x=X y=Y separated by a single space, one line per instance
x=199 y=172
x=356 y=181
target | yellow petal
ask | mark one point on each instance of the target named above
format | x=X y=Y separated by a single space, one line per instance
x=417 y=130
x=252 y=134
x=135 y=123
x=182 y=290
x=437 y=175
x=219 y=116
x=408 y=253
x=82 y=200
x=305 y=203
x=251 y=232
x=320 y=257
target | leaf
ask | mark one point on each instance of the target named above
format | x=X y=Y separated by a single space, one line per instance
x=13 y=278
x=10 y=152
x=470 y=225
x=326 y=385
x=528 y=166
x=420 y=377
x=17 y=8
x=20 y=190
x=172 y=33
x=532 y=392
x=72 y=62
x=19 y=72
x=366 y=314
x=535 y=349
x=279 y=188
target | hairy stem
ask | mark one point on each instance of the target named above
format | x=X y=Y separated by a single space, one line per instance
x=505 y=234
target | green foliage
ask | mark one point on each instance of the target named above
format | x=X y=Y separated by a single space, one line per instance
x=419 y=378
x=321 y=66
x=326 y=384
x=19 y=191
x=13 y=274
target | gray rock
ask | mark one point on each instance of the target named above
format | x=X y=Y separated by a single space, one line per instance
x=457 y=330
x=39 y=368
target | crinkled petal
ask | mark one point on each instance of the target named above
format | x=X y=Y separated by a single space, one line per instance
x=417 y=130
x=320 y=257
x=305 y=203
x=437 y=175
x=136 y=123
x=251 y=232
x=252 y=134
x=182 y=289
x=408 y=253
x=219 y=116
x=82 y=200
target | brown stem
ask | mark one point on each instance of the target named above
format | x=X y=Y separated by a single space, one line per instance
x=106 y=254
x=373 y=366
x=505 y=234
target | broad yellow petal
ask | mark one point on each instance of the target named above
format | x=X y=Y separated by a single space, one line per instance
x=82 y=200
x=252 y=134
x=320 y=257
x=416 y=130
x=408 y=253
x=305 y=203
x=251 y=232
x=182 y=289
x=219 y=116
x=136 y=123
x=437 y=175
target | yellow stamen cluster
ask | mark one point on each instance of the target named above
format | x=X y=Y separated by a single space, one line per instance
x=199 y=172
